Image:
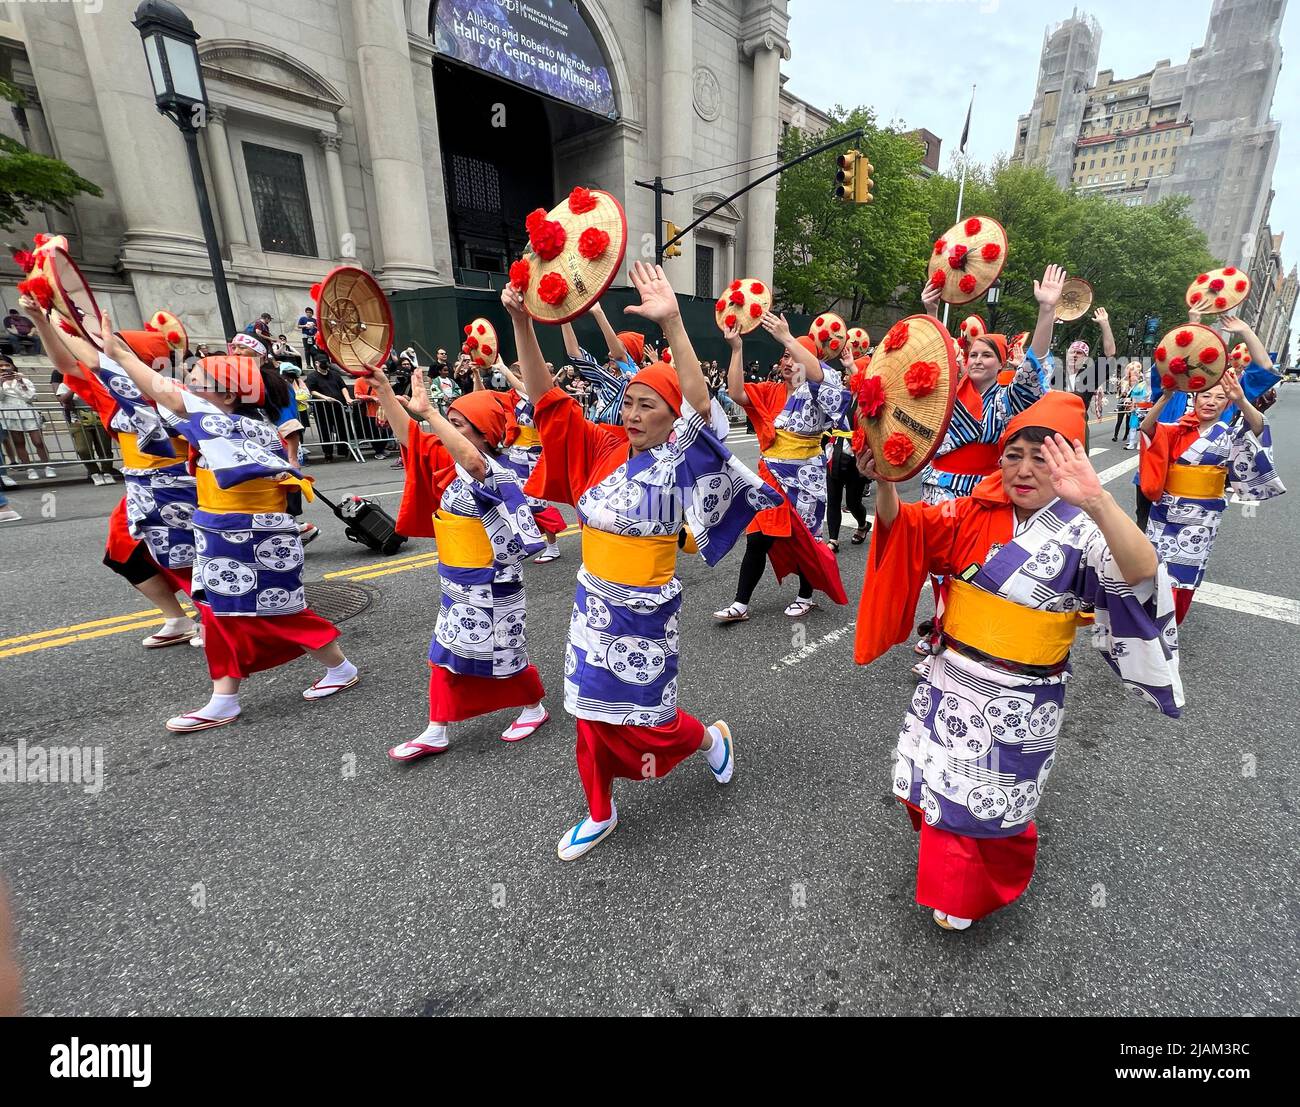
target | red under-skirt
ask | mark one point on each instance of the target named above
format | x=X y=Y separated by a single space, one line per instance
x=606 y=751
x=549 y=520
x=1182 y=604
x=971 y=877
x=239 y=645
x=453 y=697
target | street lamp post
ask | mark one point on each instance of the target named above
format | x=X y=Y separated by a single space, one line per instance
x=179 y=93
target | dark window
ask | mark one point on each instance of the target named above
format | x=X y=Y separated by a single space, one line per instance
x=477 y=184
x=279 y=187
x=704 y=271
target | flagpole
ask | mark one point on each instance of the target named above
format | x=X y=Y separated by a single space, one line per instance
x=961 y=188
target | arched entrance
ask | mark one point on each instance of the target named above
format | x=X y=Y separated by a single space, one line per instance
x=512 y=85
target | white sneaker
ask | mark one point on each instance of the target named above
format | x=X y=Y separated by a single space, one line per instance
x=8 y=481
x=50 y=473
x=32 y=474
x=96 y=479
x=9 y=515
x=108 y=478
x=586 y=836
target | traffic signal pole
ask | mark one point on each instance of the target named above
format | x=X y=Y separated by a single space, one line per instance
x=657 y=186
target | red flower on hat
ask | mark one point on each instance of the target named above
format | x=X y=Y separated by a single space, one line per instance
x=898 y=448
x=1197 y=382
x=991 y=251
x=957 y=256
x=757 y=288
x=150 y=327
x=486 y=351
x=737 y=297
x=315 y=291
x=552 y=289
x=967 y=283
x=580 y=200
x=520 y=274
x=834 y=345
x=38 y=288
x=896 y=338
x=1178 y=365
x=755 y=311
x=835 y=326
x=667 y=356
x=534 y=218
x=921 y=377
x=818 y=321
x=468 y=328
x=1208 y=355
x=1161 y=353
x=823 y=335
x=1195 y=298
x=1216 y=285
x=733 y=286
x=1220 y=301
x=1203 y=278
x=720 y=305
x=1184 y=338
x=173 y=338
x=592 y=243
x=870 y=393
x=464 y=347
x=1241 y=286
x=546 y=237
x=482 y=329
x=859 y=440
x=940 y=246
x=730 y=321
x=25 y=259
x=68 y=328
x=1167 y=381
x=938 y=278
x=973 y=225
x=1230 y=272
x=471 y=343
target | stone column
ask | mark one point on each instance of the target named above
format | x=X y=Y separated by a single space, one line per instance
x=677 y=137
x=345 y=244
x=223 y=178
x=767 y=51
x=728 y=260
x=392 y=133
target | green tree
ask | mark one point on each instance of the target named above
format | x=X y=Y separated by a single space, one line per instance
x=30 y=182
x=858 y=254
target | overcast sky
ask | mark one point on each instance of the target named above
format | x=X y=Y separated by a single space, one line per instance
x=901 y=60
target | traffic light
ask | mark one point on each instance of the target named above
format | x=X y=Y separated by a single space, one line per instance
x=846 y=176
x=671 y=231
x=862 y=182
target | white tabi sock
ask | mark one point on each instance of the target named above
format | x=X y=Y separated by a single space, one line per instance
x=340 y=673
x=220 y=707
x=435 y=734
x=533 y=714
x=175 y=626
x=718 y=751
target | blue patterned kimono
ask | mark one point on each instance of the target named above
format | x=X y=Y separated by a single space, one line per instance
x=482 y=617
x=1183 y=529
x=1000 y=402
x=248 y=563
x=620 y=663
x=159 y=502
x=979 y=739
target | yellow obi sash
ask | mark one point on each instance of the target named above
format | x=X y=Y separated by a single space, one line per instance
x=638 y=562
x=528 y=438
x=462 y=541
x=793 y=447
x=1197 y=482
x=250 y=498
x=1006 y=630
x=135 y=458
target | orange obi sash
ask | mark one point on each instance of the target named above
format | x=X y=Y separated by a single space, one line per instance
x=252 y=497
x=638 y=562
x=527 y=438
x=462 y=541
x=135 y=458
x=1006 y=630
x=789 y=446
x=1197 y=482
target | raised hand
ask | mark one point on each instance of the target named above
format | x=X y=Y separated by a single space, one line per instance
x=866 y=463
x=1232 y=386
x=1048 y=291
x=931 y=297
x=419 y=403
x=513 y=301
x=1100 y=317
x=1234 y=324
x=658 y=300
x=777 y=327
x=1071 y=473
x=732 y=335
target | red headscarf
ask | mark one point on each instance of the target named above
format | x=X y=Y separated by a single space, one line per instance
x=998 y=342
x=1061 y=412
x=232 y=373
x=808 y=344
x=634 y=344
x=148 y=346
x=663 y=380
x=486 y=413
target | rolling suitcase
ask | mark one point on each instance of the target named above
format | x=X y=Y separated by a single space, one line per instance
x=366 y=523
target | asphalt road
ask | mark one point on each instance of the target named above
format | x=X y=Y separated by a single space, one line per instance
x=283 y=866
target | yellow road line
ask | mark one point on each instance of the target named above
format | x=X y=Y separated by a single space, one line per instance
x=49 y=644
x=153 y=613
x=431 y=559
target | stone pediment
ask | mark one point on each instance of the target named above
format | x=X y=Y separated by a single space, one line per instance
x=270 y=73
